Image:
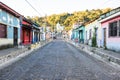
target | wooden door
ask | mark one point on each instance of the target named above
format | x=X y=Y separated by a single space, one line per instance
x=104 y=30
x=27 y=35
x=15 y=36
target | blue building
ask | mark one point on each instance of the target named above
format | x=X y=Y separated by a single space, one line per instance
x=78 y=34
x=9 y=26
x=35 y=33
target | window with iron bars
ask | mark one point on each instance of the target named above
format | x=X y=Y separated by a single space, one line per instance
x=114 y=29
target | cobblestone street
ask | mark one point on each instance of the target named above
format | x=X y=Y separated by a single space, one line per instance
x=59 y=61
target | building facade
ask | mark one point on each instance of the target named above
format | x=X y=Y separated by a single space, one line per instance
x=9 y=26
x=78 y=34
x=81 y=32
x=26 y=32
x=35 y=33
x=110 y=23
x=92 y=29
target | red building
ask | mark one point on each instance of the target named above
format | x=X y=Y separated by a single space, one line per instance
x=26 y=32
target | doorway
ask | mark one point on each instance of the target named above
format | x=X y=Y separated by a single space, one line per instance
x=104 y=31
x=15 y=33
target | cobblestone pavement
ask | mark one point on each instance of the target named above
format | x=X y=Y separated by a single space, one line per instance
x=59 y=61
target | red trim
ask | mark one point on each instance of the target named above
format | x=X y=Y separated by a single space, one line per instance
x=26 y=23
x=8 y=9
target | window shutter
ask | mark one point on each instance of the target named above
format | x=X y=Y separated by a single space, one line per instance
x=3 y=30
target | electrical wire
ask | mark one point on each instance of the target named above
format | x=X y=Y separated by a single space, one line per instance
x=41 y=9
x=33 y=7
x=105 y=3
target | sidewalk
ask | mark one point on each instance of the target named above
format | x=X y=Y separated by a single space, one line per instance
x=13 y=54
x=8 y=51
x=108 y=55
x=7 y=54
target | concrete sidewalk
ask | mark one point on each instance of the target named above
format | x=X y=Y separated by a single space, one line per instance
x=108 y=55
x=7 y=54
x=13 y=54
x=9 y=51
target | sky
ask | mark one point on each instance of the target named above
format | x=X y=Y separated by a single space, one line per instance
x=49 y=7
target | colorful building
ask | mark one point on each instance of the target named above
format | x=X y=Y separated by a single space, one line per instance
x=81 y=32
x=26 y=32
x=110 y=23
x=92 y=29
x=9 y=26
x=35 y=33
x=75 y=34
x=42 y=33
x=78 y=33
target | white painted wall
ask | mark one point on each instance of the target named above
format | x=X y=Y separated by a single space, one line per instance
x=92 y=25
x=4 y=41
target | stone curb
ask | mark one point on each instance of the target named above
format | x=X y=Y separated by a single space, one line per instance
x=17 y=55
x=92 y=50
x=109 y=58
x=12 y=55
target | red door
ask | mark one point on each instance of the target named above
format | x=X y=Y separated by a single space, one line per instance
x=26 y=36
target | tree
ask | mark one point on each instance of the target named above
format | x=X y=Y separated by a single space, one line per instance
x=67 y=19
x=94 y=42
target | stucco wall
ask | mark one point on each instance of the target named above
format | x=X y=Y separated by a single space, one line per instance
x=111 y=42
x=86 y=36
x=99 y=35
x=4 y=41
x=10 y=21
x=91 y=26
x=113 y=46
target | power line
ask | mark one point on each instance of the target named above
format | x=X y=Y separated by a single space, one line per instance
x=104 y=3
x=33 y=7
x=41 y=8
x=108 y=1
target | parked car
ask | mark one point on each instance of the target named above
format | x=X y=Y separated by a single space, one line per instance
x=54 y=37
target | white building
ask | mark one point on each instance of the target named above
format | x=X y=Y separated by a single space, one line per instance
x=59 y=27
x=93 y=27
